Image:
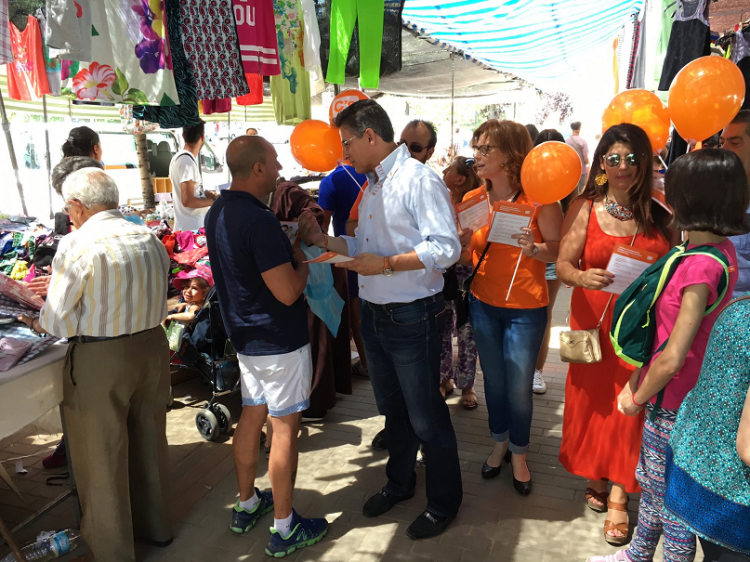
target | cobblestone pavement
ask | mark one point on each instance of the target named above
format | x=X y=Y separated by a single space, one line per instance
x=338 y=470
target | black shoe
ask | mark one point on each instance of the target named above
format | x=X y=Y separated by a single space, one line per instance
x=159 y=544
x=523 y=488
x=490 y=471
x=382 y=502
x=428 y=525
x=379 y=442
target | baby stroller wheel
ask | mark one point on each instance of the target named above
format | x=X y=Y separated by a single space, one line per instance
x=207 y=424
x=224 y=416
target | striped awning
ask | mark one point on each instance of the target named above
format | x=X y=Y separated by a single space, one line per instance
x=539 y=41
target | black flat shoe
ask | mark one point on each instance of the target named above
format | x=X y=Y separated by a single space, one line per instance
x=523 y=488
x=427 y=525
x=379 y=442
x=490 y=471
x=382 y=502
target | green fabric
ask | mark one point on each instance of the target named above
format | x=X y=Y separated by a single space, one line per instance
x=292 y=102
x=666 y=30
x=343 y=16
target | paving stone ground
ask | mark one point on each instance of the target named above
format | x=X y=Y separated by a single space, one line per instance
x=337 y=472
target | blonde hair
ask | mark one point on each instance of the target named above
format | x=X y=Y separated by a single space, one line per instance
x=511 y=138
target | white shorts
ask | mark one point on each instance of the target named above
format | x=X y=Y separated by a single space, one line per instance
x=280 y=381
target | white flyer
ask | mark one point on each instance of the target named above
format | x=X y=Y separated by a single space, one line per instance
x=626 y=264
x=507 y=220
x=474 y=213
x=331 y=257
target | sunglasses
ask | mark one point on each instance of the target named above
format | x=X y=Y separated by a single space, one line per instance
x=415 y=147
x=613 y=160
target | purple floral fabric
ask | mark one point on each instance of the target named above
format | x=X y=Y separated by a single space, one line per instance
x=466 y=365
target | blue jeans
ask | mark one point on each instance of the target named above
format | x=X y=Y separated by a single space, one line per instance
x=508 y=342
x=403 y=358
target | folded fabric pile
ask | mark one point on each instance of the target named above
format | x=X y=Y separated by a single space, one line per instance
x=20 y=241
x=18 y=344
x=187 y=251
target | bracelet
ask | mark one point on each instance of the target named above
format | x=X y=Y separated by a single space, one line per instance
x=327 y=238
x=632 y=397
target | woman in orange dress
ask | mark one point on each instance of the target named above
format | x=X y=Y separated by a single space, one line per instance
x=598 y=442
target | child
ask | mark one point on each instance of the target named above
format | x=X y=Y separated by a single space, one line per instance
x=708 y=192
x=194 y=291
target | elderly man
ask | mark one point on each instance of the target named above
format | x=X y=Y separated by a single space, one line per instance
x=108 y=296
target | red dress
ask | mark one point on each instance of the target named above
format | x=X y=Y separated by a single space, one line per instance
x=27 y=74
x=598 y=441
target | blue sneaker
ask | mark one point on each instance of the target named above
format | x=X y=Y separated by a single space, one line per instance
x=243 y=520
x=304 y=533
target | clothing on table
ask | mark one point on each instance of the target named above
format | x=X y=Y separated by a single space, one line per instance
x=216 y=106
x=742 y=249
x=291 y=89
x=708 y=485
x=692 y=270
x=690 y=39
x=406 y=193
x=344 y=13
x=216 y=65
x=6 y=49
x=653 y=521
x=256 y=31
x=244 y=241
x=52 y=65
x=337 y=193
x=186 y=113
x=27 y=75
x=466 y=363
x=68 y=29
x=115 y=396
x=183 y=168
x=108 y=279
x=591 y=419
x=255 y=97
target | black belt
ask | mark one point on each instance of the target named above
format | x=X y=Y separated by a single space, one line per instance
x=97 y=339
x=396 y=305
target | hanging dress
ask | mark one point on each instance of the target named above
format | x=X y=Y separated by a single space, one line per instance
x=690 y=39
x=27 y=74
x=291 y=90
x=598 y=441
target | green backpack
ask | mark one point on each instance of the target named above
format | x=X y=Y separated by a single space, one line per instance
x=633 y=326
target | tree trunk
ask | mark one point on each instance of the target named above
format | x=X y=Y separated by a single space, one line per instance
x=147 y=187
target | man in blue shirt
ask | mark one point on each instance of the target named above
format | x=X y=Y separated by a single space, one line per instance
x=736 y=138
x=405 y=239
x=260 y=278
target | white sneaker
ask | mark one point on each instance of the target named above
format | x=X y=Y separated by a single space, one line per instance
x=539 y=386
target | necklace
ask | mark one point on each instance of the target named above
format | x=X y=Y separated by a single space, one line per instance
x=620 y=212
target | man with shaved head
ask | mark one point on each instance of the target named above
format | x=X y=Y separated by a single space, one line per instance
x=260 y=278
x=420 y=137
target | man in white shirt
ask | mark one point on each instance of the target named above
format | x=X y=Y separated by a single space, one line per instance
x=191 y=201
x=580 y=145
x=405 y=239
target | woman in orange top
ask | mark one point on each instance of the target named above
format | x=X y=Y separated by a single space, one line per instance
x=509 y=332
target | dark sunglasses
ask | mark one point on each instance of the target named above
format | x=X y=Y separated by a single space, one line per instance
x=415 y=147
x=613 y=160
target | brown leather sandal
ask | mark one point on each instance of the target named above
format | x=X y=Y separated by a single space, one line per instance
x=469 y=399
x=602 y=497
x=624 y=528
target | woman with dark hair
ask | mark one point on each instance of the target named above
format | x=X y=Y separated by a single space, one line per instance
x=509 y=328
x=82 y=141
x=615 y=207
x=461 y=178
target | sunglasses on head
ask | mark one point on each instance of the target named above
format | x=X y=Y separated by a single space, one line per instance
x=613 y=160
x=415 y=146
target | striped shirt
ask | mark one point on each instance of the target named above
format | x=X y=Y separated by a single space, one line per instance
x=109 y=278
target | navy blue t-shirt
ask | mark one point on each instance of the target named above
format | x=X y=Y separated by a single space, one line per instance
x=337 y=193
x=244 y=240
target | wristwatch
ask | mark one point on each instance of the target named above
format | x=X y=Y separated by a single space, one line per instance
x=387 y=269
x=535 y=251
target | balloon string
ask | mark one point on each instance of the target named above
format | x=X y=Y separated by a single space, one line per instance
x=536 y=206
x=663 y=163
x=350 y=175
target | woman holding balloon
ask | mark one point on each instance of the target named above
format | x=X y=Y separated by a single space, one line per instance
x=615 y=208
x=509 y=327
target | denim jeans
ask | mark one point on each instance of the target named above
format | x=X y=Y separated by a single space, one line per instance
x=508 y=342
x=403 y=357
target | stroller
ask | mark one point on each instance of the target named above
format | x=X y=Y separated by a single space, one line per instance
x=205 y=348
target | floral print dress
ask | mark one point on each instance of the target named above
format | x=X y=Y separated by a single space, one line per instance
x=466 y=364
x=291 y=90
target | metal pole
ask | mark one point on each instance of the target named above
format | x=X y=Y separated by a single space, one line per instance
x=12 y=153
x=47 y=156
x=453 y=103
x=70 y=109
x=229 y=139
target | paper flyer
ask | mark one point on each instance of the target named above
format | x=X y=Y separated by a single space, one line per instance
x=626 y=264
x=658 y=195
x=474 y=213
x=508 y=219
x=330 y=257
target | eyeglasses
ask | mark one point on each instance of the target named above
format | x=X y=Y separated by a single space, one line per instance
x=345 y=143
x=613 y=160
x=415 y=147
x=483 y=149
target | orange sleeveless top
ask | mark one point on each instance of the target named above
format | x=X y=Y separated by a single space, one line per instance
x=494 y=275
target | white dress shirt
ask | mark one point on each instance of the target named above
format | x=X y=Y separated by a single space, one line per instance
x=406 y=207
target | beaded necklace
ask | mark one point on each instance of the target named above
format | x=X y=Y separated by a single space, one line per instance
x=620 y=212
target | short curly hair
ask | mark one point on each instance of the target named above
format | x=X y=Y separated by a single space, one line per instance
x=511 y=138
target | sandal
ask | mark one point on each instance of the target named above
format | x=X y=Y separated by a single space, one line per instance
x=623 y=528
x=469 y=399
x=446 y=390
x=602 y=497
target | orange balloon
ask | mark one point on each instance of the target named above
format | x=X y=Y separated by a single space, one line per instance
x=550 y=172
x=705 y=96
x=316 y=145
x=344 y=100
x=642 y=108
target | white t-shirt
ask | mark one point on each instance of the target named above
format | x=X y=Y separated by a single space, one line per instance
x=184 y=168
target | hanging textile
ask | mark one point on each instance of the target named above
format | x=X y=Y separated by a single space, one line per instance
x=637 y=67
x=6 y=50
x=291 y=90
x=131 y=61
x=690 y=39
x=215 y=63
x=27 y=76
x=256 y=31
x=311 y=43
x=665 y=25
x=186 y=113
x=68 y=29
x=216 y=106
x=255 y=97
x=741 y=57
x=52 y=66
